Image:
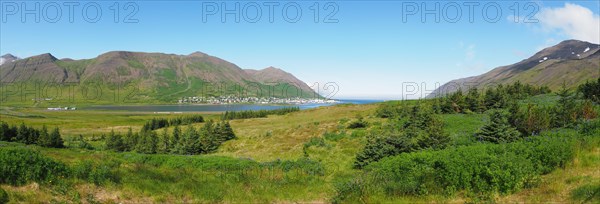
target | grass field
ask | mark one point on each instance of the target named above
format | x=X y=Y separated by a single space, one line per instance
x=265 y=163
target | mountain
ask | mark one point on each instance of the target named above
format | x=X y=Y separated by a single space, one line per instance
x=165 y=77
x=276 y=75
x=7 y=58
x=571 y=62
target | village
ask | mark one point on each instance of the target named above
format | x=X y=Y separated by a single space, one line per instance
x=252 y=100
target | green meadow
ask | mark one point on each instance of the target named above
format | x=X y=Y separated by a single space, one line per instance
x=305 y=156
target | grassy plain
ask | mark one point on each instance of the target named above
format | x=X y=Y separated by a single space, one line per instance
x=246 y=169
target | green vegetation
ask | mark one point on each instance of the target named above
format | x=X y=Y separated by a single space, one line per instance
x=392 y=152
x=192 y=141
x=30 y=135
x=591 y=90
x=498 y=130
x=232 y=115
x=158 y=123
x=19 y=166
x=480 y=170
x=3 y=196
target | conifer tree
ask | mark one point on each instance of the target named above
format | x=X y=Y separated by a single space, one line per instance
x=115 y=142
x=498 y=130
x=175 y=145
x=44 y=139
x=55 y=139
x=165 y=142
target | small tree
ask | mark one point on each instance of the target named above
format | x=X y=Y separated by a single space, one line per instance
x=56 y=139
x=44 y=139
x=473 y=100
x=175 y=145
x=379 y=147
x=565 y=112
x=498 y=130
x=165 y=142
x=115 y=142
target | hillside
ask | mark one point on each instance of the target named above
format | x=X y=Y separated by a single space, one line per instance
x=572 y=62
x=159 y=76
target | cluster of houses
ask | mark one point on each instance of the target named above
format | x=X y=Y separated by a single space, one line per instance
x=62 y=108
x=252 y=100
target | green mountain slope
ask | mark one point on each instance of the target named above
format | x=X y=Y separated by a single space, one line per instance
x=117 y=75
x=572 y=62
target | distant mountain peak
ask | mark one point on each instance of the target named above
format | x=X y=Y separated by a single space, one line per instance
x=8 y=55
x=8 y=58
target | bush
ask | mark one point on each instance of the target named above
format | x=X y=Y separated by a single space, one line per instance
x=359 y=123
x=96 y=173
x=19 y=166
x=3 y=196
x=481 y=169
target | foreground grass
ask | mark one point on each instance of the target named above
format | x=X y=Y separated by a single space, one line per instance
x=170 y=178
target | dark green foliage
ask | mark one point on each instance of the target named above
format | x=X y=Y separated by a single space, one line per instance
x=18 y=166
x=147 y=143
x=232 y=115
x=480 y=169
x=359 y=123
x=566 y=111
x=590 y=90
x=81 y=143
x=474 y=101
x=158 y=123
x=498 y=130
x=379 y=147
x=389 y=110
x=175 y=140
x=115 y=142
x=419 y=129
x=165 y=142
x=30 y=135
x=6 y=132
x=493 y=98
x=532 y=120
x=3 y=196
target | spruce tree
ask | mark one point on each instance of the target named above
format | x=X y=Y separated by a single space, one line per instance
x=22 y=133
x=165 y=142
x=130 y=141
x=227 y=131
x=473 y=100
x=4 y=130
x=175 y=145
x=498 y=130
x=56 y=139
x=115 y=142
x=44 y=139
x=566 y=110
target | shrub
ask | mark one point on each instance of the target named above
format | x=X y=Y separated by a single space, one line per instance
x=588 y=193
x=3 y=196
x=378 y=147
x=359 y=123
x=19 y=166
x=96 y=173
x=480 y=169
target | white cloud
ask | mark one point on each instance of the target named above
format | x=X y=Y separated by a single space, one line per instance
x=572 y=20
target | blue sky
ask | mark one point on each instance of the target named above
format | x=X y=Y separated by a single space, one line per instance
x=367 y=47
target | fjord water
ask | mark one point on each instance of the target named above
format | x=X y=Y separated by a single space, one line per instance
x=217 y=107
